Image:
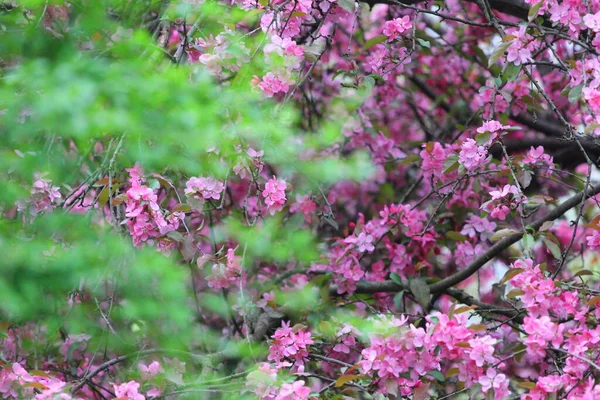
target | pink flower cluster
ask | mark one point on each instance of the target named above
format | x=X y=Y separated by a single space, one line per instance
x=503 y=201
x=289 y=347
x=226 y=275
x=274 y=195
x=405 y=353
x=396 y=27
x=202 y=188
x=17 y=383
x=472 y=157
x=475 y=225
x=493 y=127
x=129 y=391
x=44 y=196
x=145 y=219
x=271 y=84
x=521 y=46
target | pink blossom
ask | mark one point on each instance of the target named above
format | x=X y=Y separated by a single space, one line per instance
x=128 y=391
x=288 y=347
x=592 y=21
x=472 y=156
x=274 y=195
x=476 y=225
x=272 y=84
x=148 y=371
x=226 y=275
x=482 y=350
x=363 y=242
x=493 y=380
x=293 y=391
x=394 y=28
x=204 y=188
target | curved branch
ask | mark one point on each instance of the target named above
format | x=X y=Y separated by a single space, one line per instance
x=516 y=8
x=507 y=241
x=104 y=366
x=444 y=285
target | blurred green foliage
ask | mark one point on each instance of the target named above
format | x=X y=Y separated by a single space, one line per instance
x=67 y=85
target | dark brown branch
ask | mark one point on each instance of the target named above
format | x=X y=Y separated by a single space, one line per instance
x=516 y=8
x=444 y=285
x=507 y=241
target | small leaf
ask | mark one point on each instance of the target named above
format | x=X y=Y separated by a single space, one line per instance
x=528 y=241
x=36 y=385
x=451 y=164
x=464 y=309
x=399 y=300
x=546 y=226
x=511 y=72
x=575 y=93
x=514 y=293
x=103 y=197
x=553 y=247
x=478 y=327
x=452 y=372
x=182 y=207
x=584 y=272
x=420 y=290
x=593 y=301
x=527 y=385
x=118 y=199
x=498 y=52
x=533 y=11
x=503 y=233
x=396 y=278
x=437 y=375
x=374 y=41
x=347 y=5
x=464 y=345
x=456 y=236
x=297 y=14
x=176 y=236
x=524 y=178
x=188 y=249
x=342 y=380
x=483 y=138
x=511 y=273
x=424 y=43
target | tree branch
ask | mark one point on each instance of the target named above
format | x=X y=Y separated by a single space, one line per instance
x=444 y=285
x=516 y=8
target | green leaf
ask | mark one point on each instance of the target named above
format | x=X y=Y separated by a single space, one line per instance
x=533 y=11
x=424 y=43
x=396 y=278
x=583 y=272
x=451 y=164
x=456 y=236
x=502 y=233
x=437 y=375
x=511 y=273
x=511 y=72
x=499 y=52
x=483 y=138
x=347 y=5
x=553 y=247
x=421 y=291
x=528 y=241
x=399 y=300
x=575 y=93
x=374 y=41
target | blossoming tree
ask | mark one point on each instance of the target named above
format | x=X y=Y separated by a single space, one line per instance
x=295 y=199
